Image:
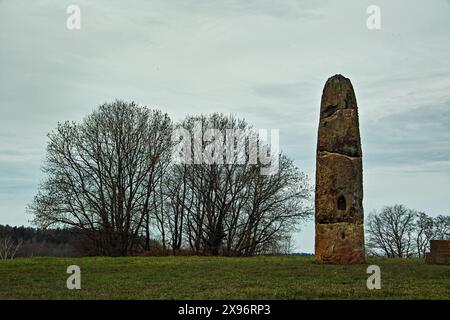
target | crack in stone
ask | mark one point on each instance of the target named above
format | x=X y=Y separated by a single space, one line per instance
x=329 y=153
x=329 y=111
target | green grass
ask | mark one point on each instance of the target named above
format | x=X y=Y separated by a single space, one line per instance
x=219 y=278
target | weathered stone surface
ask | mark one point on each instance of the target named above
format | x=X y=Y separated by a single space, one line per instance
x=439 y=253
x=339 y=190
x=340 y=243
x=339 y=124
x=338 y=175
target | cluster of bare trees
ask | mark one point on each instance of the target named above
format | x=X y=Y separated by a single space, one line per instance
x=233 y=209
x=111 y=178
x=397 y=231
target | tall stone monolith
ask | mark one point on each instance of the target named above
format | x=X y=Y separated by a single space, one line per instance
x=339 y=186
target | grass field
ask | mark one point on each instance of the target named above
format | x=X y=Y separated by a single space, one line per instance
x=219 y=278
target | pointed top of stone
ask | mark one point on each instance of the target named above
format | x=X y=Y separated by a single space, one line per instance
x=338 y=77
x=339 y=124
x=337 y=94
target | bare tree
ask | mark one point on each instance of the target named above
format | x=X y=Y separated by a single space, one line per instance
x=213 y=187
x=392 y=231
x=424 y=232
x=102 y=173
x=159 y=211
x=8 y=248
x=429 y=228
x=276 y=206
x=180 y=203
x=441 y=227
x=228 y=207
x=400 y=232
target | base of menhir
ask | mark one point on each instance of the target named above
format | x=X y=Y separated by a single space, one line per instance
x=340 y=243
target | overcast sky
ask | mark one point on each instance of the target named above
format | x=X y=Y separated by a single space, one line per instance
x=266 y=61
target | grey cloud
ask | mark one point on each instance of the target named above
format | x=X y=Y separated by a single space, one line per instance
x=418 y=137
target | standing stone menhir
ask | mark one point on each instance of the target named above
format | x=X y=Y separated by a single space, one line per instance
x=339 y=186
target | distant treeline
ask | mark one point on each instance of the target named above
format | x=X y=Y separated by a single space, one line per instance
x=58 y=242
x=35 y=242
